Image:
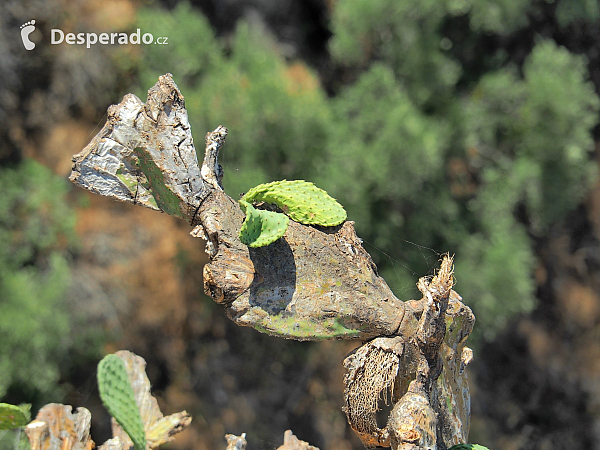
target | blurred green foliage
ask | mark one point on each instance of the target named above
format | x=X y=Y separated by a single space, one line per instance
x=513 y=140
x=530 y=138
x=36 y=227
x=14 y=440
x=277 y=113
x=414 y=154
x=570 y=11
x=402 y=35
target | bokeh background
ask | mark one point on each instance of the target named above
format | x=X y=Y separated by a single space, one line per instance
x=467 y=126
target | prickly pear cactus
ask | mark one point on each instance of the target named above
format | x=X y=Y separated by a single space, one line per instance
x=118 y=397
x=13 y=416
x=261 y=227
x=301 y=200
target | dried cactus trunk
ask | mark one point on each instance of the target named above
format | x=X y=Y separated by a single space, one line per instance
x=422 y=369
x=312 y=283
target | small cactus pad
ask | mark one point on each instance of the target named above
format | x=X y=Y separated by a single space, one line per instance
x=118 y=397
x=13 y=416
x=261 y=227
x=301 y=200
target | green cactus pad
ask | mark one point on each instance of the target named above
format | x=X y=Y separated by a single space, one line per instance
x=118 y=397
x=301 y=200
x=13 y=416
x=261 y=227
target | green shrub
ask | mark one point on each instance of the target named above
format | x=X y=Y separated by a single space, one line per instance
x=246 y=86
x=36 y=226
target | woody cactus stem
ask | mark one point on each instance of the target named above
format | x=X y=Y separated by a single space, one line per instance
x=311 y=280
x=408 y=430
x=422 y=369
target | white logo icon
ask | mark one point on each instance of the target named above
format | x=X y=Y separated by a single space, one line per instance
x=26 y=29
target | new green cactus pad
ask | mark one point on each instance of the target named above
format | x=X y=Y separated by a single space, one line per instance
x=13 y=416
x=118 y=397
x=301 y=200
x=261 y=227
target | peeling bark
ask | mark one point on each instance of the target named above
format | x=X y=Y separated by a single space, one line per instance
x=314 y=283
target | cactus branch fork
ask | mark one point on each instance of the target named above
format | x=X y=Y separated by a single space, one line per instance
x=303 y=281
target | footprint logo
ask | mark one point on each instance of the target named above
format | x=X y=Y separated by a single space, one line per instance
x=26 y=29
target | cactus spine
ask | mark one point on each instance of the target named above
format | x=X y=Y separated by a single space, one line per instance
x=118 y=397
